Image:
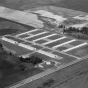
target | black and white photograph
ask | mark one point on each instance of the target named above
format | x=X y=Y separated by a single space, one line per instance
x=43 y=43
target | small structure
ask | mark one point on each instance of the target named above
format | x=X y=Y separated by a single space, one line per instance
x=40 y=65
x=48 y=62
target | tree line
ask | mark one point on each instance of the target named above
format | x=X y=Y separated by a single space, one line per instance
x=83 y=30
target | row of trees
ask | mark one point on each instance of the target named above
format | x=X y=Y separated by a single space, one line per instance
x=83 y=30
x=32 y=59
x=71 y=29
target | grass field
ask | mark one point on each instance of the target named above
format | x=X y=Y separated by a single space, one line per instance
x=19 y=50
x=7 y=31
x=28 y=4
x=10 y=75
x=9 y=27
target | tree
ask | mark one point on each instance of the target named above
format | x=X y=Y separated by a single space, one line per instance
x=61 y=26
x=35 y=60
x=32 y=59
x=84 y=30
x=71 y=29
x=10 y=53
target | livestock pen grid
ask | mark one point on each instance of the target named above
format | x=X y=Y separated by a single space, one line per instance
x=48 y=45
x=57 y=51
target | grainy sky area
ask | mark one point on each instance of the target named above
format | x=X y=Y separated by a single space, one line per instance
x=81 y=5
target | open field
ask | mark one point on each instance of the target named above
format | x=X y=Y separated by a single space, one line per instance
x=7 y=31
x=59 y=11
x=21 y=17
x=10 y=27
x=10 y=75
x=80 y=5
